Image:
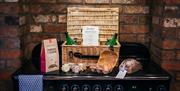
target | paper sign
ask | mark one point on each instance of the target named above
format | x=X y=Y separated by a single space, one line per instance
x=121 y=74
x=90 y=35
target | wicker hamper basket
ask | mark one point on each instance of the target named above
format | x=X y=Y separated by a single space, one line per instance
x=107 y=19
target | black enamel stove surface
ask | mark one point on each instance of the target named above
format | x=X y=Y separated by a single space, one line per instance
x=150 y=78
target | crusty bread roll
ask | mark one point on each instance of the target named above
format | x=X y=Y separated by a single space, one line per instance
x=107 y=61
x=131 y=65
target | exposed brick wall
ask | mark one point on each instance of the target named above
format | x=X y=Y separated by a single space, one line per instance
x=24 y=23
x=47 y=18
x=165 y=41
x=9 y=36
x=10 y=51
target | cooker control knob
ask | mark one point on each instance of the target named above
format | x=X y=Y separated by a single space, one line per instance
x=119 y=88
x=50 y=88
x=97 y=88
x=161 y=88
x=75 y=88
x=64 y=88
x=108 y=88
x=150 y=89
x=86 y=88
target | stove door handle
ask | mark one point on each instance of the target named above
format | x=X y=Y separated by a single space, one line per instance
x=81 y=56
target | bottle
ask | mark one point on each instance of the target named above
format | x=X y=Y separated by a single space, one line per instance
x=69 y=40
x=112 y=41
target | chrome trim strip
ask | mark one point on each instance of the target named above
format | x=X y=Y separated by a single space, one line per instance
x=103 y=78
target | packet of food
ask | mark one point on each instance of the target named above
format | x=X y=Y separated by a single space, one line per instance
x=49 y=56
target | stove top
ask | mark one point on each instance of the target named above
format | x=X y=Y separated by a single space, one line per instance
x=151 y=78
x=151 y=72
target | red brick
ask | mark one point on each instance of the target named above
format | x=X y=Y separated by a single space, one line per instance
x=168 y=55
x=22 y=20
x=2 y=43
x=144 y=19
x=9 y=8
x=45 y=18
x=29 y=38
x=9 y=43
x=136 y=9
x=176 y=86
x=3 y=64
x=129 y=19
x=156 y=20
x=177 y=76
x=55 y=28
x=158 y=10
x=4 y=75
x=156 y=2
x=48 y=36
x=62 y=18
x=172 y=1
x=36 y=38
x=169 y=44
x=155 y=59
x=24 y=8
x=128 y=37
x=178 y=44
x=70 y=1
x=175 y=66
x=156 y=51
x=62 y=37
x=11 y=0
x=12 y=43
x=48 y=8
x=42 y=1
x=10 y=54
x=97 y=1
x=157 y=31
x=178 y=34
x=124 y=1
x=178 y=55
x=13 y=65
x=169 y=33
x=35 y=28
x=38 y=9
x=143 y=1
x=171 y=11
x=134 y=29
x=28 y=50
x=9 y=31
x=171 y=22
x=156 y=40
x=142 y=38
x=2 y=20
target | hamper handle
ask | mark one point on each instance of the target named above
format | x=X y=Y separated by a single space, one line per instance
x=80 y=55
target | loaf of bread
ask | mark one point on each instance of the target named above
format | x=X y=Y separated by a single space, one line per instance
x=131 y=65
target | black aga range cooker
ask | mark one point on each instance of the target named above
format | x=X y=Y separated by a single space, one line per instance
x=151 y=78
